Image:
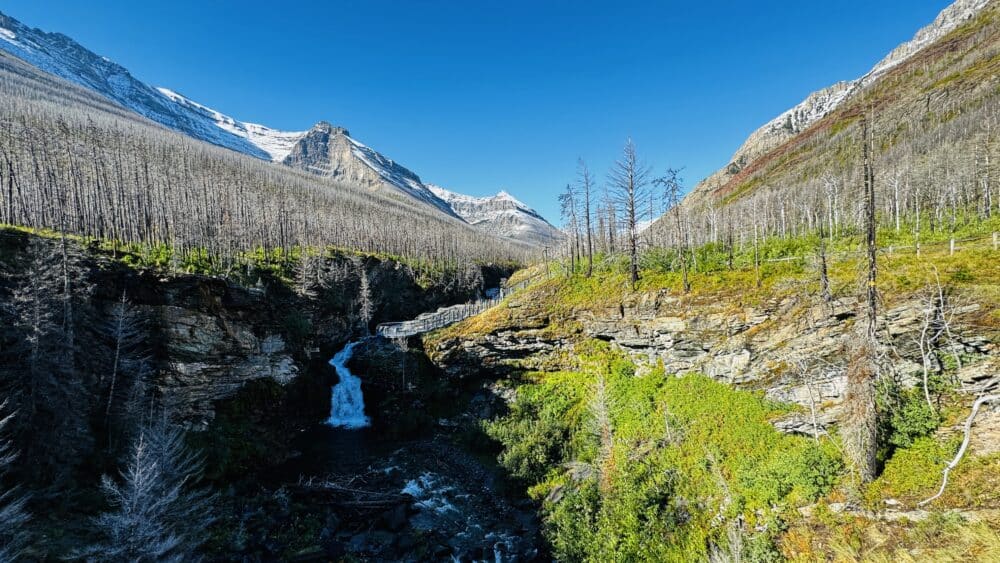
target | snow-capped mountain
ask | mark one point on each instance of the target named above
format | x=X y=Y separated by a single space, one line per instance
x=276 y=144
x=501 y=215
x=823 y=102
x=330 y=151
x=57 y=54
x=324 y=150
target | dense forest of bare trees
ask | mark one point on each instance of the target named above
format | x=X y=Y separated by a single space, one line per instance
x=72 y=162
x=937 y=178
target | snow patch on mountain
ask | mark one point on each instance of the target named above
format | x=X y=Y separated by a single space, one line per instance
x=388 y=169
x=331 y=152
x=323 y=150
x=821 y=103
x=277 y=144
x=502 y=215
x=59 y=55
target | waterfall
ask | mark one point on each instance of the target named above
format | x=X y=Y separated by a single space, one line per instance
x=347 y=406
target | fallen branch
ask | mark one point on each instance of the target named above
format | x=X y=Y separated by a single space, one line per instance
x=965 y=445
x=346 y=496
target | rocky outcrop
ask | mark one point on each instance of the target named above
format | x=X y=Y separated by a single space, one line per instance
x=211 y=358
x=792 y=348
x=208 y=337
x=330 y=151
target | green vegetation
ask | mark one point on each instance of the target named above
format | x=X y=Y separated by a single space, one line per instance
x=696 y=463
x=689 y=458
x=248 y=267
x=788 y=266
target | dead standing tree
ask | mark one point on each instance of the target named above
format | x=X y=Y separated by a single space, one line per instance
x=861 y=415
x=13 y=515
x=629 y=180
x=568 y=205
x=671 y=184
x=585 y=189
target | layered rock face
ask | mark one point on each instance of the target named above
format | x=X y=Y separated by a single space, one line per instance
x=331 y=152
x=211 y=358
x=793 y=349
x=208 y=337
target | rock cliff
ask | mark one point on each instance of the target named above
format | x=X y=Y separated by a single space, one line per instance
x=791 y=348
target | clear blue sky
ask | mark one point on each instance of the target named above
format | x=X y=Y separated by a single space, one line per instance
x=482 y=95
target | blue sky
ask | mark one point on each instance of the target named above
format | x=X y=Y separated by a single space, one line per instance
x=477 y=96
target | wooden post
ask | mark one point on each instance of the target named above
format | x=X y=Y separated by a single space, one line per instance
x=951 y=246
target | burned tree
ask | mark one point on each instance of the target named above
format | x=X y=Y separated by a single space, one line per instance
x=568 y=209
x=629 y=182
x=13 y=515
x=586 y=188
x=861 y=415
x=159 y=513
x=671 y=184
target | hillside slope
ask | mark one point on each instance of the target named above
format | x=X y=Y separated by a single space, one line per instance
x=949 y=69
x=76 y=162
x=323 y=150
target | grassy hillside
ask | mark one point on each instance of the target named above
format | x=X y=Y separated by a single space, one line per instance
x=630 y=461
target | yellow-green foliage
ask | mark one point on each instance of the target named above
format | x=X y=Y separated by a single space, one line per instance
x=685 y=449
x=914 y=474
x=787 y=269
x=843 y=538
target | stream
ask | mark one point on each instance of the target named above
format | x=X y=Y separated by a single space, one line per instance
x=449 y=509
x=347 y=402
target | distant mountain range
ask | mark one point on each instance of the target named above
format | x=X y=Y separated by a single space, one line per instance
x=324 y=150
x=501 y=215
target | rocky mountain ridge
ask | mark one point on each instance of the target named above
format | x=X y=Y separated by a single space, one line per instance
x=822 y=103
x=501 y=215
x=331 y=152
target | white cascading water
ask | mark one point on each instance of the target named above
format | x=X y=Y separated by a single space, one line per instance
x=347 y=406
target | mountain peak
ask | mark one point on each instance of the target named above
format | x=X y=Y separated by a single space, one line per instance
x=502 y=215
x=325 y=149
x=330 y=129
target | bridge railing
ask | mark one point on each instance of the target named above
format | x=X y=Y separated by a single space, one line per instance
x=447 y=316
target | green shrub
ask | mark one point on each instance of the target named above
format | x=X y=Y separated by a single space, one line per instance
x=655 y=497
x=912 y=418
x=915 y=470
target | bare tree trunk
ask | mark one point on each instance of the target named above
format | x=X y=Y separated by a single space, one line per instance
x=629 y=177
x=587 y=185
x=824 y=279
x=861 y=416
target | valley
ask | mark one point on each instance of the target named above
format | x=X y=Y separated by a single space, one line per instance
x=223 y=341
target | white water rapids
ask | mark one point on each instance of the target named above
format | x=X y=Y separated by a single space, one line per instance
x=347 y=406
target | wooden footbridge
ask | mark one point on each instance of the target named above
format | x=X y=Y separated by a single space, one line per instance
x=448 y=315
